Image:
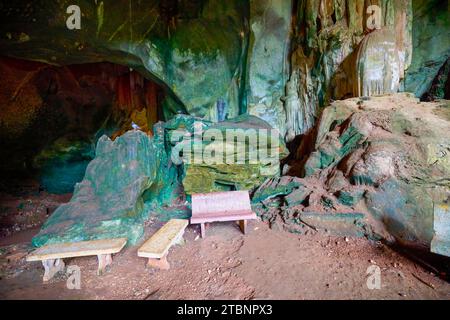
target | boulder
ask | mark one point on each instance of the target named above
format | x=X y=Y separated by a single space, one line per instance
x=396 y=151
x=238 y=154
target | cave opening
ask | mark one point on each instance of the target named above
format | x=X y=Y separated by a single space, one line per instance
x=52 y=117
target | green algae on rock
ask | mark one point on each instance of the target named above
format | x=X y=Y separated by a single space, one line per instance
x=135 y=175
x=109 y=202
x=63 y=164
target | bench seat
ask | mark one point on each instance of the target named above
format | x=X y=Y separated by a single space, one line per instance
x=52 y=255
x=157 y=247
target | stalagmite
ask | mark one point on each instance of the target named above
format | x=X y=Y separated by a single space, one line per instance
x=378 y=64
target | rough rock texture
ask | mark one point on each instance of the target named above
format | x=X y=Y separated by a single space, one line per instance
x=333 y=55
x=278 y=60
x=300 y=204
x=136 y=174
x=51 y=117
x=221 y=63
x=63 y=164
x=378 y=69
x=387 y=157
x=196 y=49
x=268 y=67
x=109 y=202
x=219 y=157
x=440 y=88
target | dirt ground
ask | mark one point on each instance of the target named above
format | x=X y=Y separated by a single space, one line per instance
x=264 y=264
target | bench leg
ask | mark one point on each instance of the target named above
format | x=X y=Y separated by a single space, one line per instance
x=202 y=230
x=161 y=264
x=243 y=226
x=180 y=241
x=104 y=262
x=52 y=267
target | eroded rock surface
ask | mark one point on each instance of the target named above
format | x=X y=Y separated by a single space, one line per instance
x=387 y=157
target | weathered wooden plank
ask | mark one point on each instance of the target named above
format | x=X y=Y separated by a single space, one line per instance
x=221 y=207
x=221 y=202
x=159 y=244
x=77 y=249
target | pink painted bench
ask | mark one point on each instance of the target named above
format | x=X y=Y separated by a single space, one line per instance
x=221 y=207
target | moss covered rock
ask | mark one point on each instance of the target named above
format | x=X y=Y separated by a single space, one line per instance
x=397 y=149
x=195 y=49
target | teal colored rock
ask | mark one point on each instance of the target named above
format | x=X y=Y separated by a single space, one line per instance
x=60 y=178
x=268 y=67
x=361 y=180
x=63 y=164
x=441 y=239
x=334 y=149
x=349 y=198
x=394 y=150
x=276 y=187
x=197 y=51
x=440 y=88
x=109 y=202
x=297 y=197
x=341 y=224
x=431 y=44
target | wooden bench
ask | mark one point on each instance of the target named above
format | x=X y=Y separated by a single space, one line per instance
x=220 y=207
x=157 y=247
x=52 y=255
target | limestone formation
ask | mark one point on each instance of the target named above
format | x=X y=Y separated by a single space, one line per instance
x=386 y=157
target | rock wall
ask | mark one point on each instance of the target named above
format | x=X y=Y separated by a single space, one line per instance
x=238 y=154
x=109 y=202
x=268 y=65
x=431 y=44
x=278 y=60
